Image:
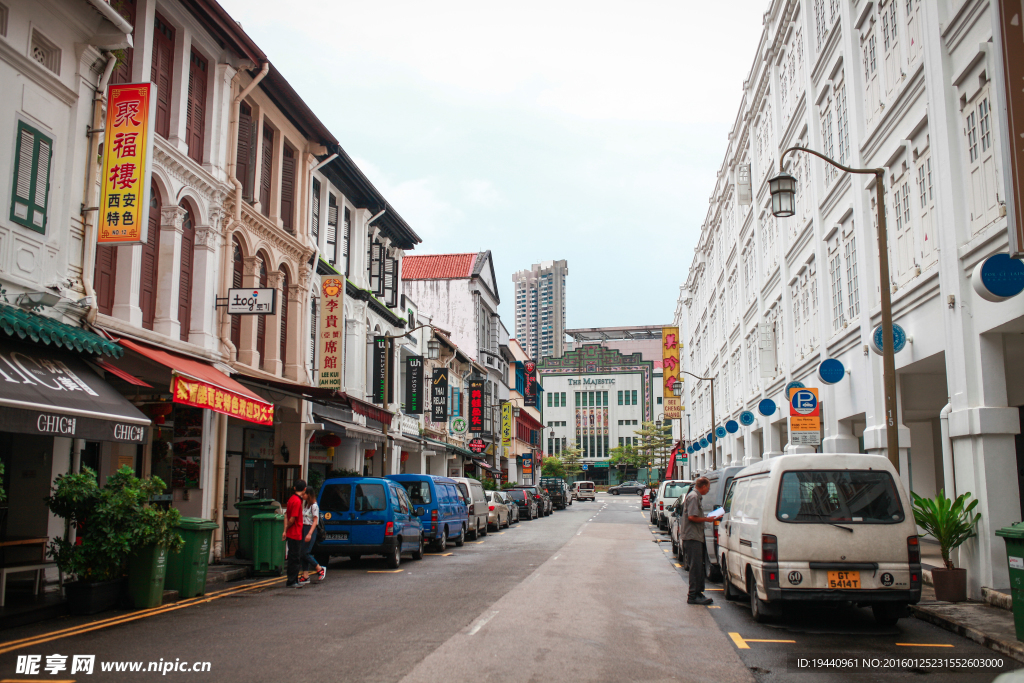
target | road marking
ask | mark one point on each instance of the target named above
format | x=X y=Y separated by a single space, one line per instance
x=440 y=554
x=664 y=550
x=714 y=607
x=714 y=589
x=924 y=645
x=474 y=542
x=384 y=571
x=497 y=533
x=479 y=624
x=741 y=642
x=678 y=565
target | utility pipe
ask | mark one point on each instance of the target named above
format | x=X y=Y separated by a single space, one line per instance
x=948 y=474
x=218 y=500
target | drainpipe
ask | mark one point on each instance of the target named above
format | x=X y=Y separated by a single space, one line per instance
x=91 y=198
x=948 y=475
x=218 y=500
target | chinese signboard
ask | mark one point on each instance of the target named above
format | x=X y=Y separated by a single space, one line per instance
x=1009 y=38
x=476 y=406
x=506 y=426
x=414 y=385
x=804 y=417
x=670 y=370
x=252 y=301
x=477 y=445
x=439 y=395
x=382 y=372
x=530 y=388
x=192 y=392
x=127 y=150
x=332 y=307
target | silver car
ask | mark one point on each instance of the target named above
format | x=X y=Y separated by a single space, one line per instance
x=498 y=513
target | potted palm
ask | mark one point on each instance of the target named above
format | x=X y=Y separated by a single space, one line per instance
x=950 y=522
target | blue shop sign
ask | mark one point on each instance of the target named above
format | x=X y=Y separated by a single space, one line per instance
x=998 y=278
x=720 y=432
x=746 y=418
x=899 y=339
x=831 y=371
x=766 y=407
x=732 y=426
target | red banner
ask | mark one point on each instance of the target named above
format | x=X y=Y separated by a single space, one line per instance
x=192 y=392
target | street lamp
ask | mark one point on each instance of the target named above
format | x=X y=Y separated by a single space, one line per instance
x=714 y=437
x=783 y=191
x=433 y=349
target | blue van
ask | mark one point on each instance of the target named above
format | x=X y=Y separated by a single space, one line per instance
x=445 y=515
x=368 y=516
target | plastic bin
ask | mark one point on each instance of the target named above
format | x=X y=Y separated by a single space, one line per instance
x=147 y=568
x=246 y=510
x=268 y=548
x=1014 y=537
x=186 y=570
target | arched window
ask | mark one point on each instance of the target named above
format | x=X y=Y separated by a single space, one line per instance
x=238 y=268
x=188 y=242
x=150 y=261
x=283 y=317
x=261 y=320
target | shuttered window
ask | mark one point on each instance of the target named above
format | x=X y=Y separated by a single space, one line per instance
x=150 y=261
x=31 y=186
x=391 y=281
x=283 y=316
x=266 y=169
x=332 y=229
x=288 y=189
x=123 y=68
x=162 y=74
x=188 y=241
x=376 y=267
x=106 y=278
x=312 y=330
x=346 y=231
x=315 y=223
x=195 y=114
x=261 y=320
x=245 y=163
x=238 y=268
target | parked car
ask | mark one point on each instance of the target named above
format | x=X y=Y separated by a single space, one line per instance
x=528 y=507
x=513 y=509
x=444 y=517
x=645 y=502
x=634 y=487
x=666 y=494
x=476 y=507
x=555 y=488
x=720 y=480
x=543 y=500
x=498 y=514
x=584 y=490
x=845 y=528
x=368 y=516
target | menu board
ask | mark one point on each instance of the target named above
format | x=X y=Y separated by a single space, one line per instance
x=186 y=447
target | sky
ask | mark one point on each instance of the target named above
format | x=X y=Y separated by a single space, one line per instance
x=586 y=131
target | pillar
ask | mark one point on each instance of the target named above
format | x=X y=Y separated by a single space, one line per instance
x=168 y=291
x=204 y=288
x=247 y=348
x=272 y=346
x=126 y=298
x=298 y=332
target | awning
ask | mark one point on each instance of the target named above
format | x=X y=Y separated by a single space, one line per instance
x=482 y=463
x=198 y=384
x=323 y=396
x=24 y=324
x=349 y=430
x=118 y=372
x=451 y=448
x=45 y=391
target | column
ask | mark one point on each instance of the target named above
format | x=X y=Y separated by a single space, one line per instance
x=247 y=348
x=126 y=298
x=179 y=95
x=272 y=347
x=169 y=273
x=298 y=329
x=204 y=288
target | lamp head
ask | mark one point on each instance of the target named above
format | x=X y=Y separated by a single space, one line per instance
x=783 y=191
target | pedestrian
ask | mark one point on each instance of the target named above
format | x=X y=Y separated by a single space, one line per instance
x=693 y=539
x=310 y=517
x=293 y=534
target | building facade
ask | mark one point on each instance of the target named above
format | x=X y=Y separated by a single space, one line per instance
x=540 y=308
x=908 y=87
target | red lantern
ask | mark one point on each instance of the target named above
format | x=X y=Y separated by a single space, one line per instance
x=159 y=409
x=405 y=456
x=330 y=441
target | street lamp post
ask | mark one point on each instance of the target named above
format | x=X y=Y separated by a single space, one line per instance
x=677 y=391
x=714 y=437
x=783 y=191
x=433 y=353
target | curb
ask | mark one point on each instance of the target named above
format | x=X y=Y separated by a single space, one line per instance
x=1014 y=649
x=997 y=598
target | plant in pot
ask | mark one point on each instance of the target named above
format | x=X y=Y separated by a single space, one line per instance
x=950 y=522
x=115 y=522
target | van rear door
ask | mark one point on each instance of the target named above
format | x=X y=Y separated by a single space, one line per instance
x=369 y=513
x=335 y=503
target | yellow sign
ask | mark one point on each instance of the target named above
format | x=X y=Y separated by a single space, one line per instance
x=332 y=330
x=506 y=426
x=670 y=369
x=127 y=150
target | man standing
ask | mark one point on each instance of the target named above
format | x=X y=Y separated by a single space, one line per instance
x=293 y=534
x=693 y=539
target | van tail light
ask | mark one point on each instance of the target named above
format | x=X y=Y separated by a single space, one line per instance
x=769 y=548
x=433 y=515
x=914 y=549
x=491 y=508
x=389 y=530
x=661 y=505
x=715 y=527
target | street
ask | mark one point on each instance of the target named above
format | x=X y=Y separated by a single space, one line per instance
x=587 y=594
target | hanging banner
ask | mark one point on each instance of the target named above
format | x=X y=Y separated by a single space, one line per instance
x=192 y=392
x=414 y=385
x=439 y=395
x=476 y=406
x=127 y=150
x=530 y=390
x=506 y=426
x=332 y=337
x=383 y=372
x=670 y=370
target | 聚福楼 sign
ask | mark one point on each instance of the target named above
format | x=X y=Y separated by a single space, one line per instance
x=127 y=150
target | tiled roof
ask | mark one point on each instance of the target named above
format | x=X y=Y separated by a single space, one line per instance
x=438 y=267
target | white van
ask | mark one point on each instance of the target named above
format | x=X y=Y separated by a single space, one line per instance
x=661 y=505
x=477 y=506
x=819 y=528
x=583 y=490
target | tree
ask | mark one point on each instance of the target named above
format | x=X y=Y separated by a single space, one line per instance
x=626 y=457
x=570 y=458
x=655 y=443
x=552 y=467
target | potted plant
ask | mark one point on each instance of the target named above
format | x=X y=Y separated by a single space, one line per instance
x=950 y=523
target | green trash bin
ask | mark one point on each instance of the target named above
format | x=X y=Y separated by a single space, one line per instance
x=186 y=570
x=147 y=568
x=246 y=510
x=268 y=548
x=1014 y=537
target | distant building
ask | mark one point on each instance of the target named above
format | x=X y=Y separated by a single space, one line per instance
x=540 y=308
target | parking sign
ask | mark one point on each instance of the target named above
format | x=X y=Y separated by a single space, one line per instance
x=805 y=417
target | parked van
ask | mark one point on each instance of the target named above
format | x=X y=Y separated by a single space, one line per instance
x=719 y=482
x=368 y=516
x=821 y=528
x=473 y=492
x=583 y=490
x=444 y=517
x=666 y=494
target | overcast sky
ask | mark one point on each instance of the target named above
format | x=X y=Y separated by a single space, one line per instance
x=588 y=131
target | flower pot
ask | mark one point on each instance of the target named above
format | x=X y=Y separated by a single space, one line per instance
x=950 y=584
x=92 y=597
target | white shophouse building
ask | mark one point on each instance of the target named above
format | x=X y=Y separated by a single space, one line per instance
x=906 y=86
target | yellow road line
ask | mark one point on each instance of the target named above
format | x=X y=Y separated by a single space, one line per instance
x=33 y=680
x=741 y=642
x=385 y=571
x=714 y=607
x=714 y=589
x=440 y=554
x=678 y=565
x=924 y=644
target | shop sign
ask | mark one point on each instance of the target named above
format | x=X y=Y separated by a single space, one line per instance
x=788 y=391
x=127 y=150
x=414 y=385
x=332 y=316
x=831 y=371
x=805 y=417
x=382 y=370
x=259 y=444
x=506 y=425
x=732 y=426
x=766 y=407
x=477 y=445
x=192 y=392
x=459 y=425
x=476 y=406
x=530 y=389
x=998 y=278
x=670 y=371
x=746 y=418
x=253 y=301
x=439 y=396
x=898 y=335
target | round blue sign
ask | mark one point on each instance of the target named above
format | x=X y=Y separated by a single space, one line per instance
x=689 y=450
x=746 y=418
x=998 y=278
x=766 y=407
x=710 y=437
x=793 y=385
x=898 y=335
x=704 y=443
x=732 y=426
x=696 y=446
x=831 y=371
x=720 y=432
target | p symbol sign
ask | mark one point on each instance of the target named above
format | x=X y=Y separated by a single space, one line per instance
x=804 y=402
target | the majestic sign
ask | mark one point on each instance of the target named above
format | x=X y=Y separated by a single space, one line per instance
x=414 y=385
x=255 y=301
x=439 y=395
x=476 y=406
x=670 y=370
x=331 y=333
x=506 y=426
x=127 y=151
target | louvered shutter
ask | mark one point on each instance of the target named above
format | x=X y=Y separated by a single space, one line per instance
x=188 y=241
x=332 y=229
x=266 y=169
x=243 y=162
x=236 y=282
x=261 y=320
x=288 y=189
x=150 y=262
x=31 y=186
x=391 y=281
x=195 y=113
x=346 y=231
x=315 y=224
x=106 y=277
x=376 y=268
x=312 y=330
x=283 y=316
x=162 y=72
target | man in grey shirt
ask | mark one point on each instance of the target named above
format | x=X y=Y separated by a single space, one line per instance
x=693 y=539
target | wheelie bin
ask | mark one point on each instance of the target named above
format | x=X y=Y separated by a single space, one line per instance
x=186 y=570
x=1013 y=535
x=246 y=510
x=147 y=568
x=268 y=548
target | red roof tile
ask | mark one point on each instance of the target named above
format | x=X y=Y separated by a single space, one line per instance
x=438 y=267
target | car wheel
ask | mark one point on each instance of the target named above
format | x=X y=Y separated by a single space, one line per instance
x=614 y=493
x=730 y=590
x=460 y=540
x=712 y=572
x=675 y=548
x=886 y=614
x=442 y=543
x=757 y=605
x=474 y=534
x=508 y=521
x=483 y=531
x=395 y=556
x=420 y=547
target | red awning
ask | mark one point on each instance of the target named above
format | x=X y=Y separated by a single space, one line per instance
x=118 y=372
x=368 y=409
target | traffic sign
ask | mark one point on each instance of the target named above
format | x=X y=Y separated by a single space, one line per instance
x=805 y=417
x=584 y=466
x=766 y=407
x=746 y=418
x=732 y=426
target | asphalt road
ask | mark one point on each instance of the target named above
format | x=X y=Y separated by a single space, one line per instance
x=586 y=594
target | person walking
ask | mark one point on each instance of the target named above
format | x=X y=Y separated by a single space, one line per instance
x=293 y=534
x=310 y=518
x=693 y=539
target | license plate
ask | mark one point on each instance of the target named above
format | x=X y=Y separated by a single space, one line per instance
x=844 y=579
x=343 y=536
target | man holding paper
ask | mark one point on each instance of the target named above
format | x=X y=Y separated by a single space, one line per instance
x=693 y=538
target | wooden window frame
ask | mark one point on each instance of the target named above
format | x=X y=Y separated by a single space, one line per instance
x=41 y=144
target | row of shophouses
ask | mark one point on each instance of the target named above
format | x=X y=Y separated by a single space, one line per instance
x=909 y=86
x=126 y=355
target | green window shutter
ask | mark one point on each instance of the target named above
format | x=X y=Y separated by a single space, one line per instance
x=31 y=184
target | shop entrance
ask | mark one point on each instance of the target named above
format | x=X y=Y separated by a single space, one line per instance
x=259 y=476
x=285 y=477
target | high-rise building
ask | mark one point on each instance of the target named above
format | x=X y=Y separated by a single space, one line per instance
x=540 y=308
